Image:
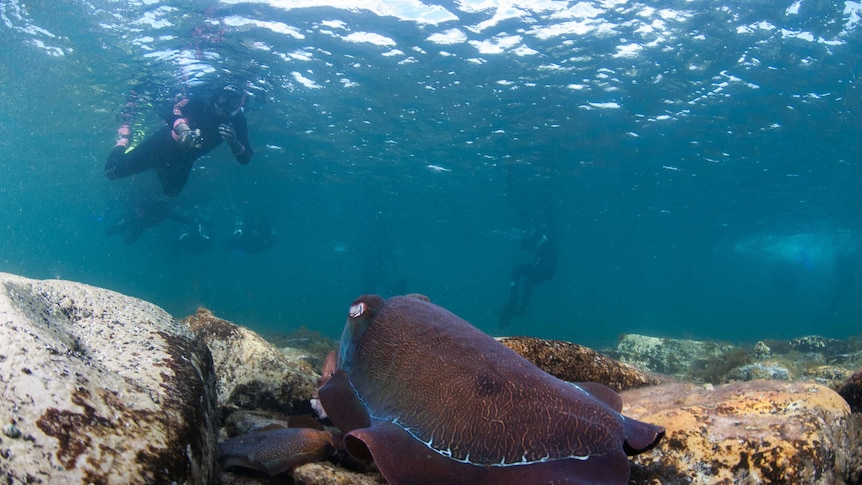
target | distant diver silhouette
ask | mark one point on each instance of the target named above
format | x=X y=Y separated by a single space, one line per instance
x=526 y=276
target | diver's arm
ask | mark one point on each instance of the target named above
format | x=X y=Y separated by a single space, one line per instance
x=239 y=149
x=236 y=136
x=184 y=135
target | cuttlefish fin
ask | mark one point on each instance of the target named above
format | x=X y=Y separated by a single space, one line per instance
x=342 y=405
x=604 y=394
x=406 y=461
x=402 y=459
x=641 y=436
x=274 y=452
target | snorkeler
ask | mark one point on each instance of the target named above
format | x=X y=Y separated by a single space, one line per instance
x=195 y=127
x=196 y=237
x=526 y=276
x=251 y=236
x=141 y=215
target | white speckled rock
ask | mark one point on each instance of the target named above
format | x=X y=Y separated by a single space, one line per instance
x=668 y=356
x=104 y=388
x=252 y=373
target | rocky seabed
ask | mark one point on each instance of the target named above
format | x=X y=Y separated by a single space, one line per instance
x=102 y=388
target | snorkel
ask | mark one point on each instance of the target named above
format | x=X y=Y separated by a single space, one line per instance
x=239 y=109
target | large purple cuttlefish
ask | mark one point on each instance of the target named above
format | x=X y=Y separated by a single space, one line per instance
x=432 y=399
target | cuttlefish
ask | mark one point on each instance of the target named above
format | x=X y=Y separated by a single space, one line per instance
x=431 y=399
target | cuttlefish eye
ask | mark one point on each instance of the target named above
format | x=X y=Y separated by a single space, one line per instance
x=357 y=310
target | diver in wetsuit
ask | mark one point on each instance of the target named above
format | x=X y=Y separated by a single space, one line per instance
x=195 y=127
x=251 y=236
x=141 y=215
x=195 y=237
x=526 y=276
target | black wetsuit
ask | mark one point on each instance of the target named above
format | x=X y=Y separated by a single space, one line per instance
x=171 y=161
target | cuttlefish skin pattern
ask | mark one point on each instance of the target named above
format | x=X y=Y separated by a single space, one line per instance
x=432 y=399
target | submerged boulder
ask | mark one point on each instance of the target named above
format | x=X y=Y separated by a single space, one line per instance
x=759 y=432
x=576 y=363
x=251 y=372
x=767 y=370
x=825 y=361
x=99 y=387
x=674 y=357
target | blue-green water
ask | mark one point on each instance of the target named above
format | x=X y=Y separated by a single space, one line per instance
x=702 y=159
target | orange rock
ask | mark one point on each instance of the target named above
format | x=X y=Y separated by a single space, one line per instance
x=759 y=432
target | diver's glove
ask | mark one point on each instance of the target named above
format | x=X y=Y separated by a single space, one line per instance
x=229 y=135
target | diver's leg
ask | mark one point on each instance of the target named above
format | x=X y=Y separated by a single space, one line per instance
x=174 y=175
x=512 y=302
x=134 y=231
x=508 y=312
x=122 y=163
x=525 y=296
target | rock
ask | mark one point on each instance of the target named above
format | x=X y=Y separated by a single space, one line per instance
x=831 y=350
x=665 y=355
x=251 y=373
x=309 y=345
x=825 y=361
x=830 y=376
x=762 y=351
x=851 y=391
x=244 y=422
x=328 y=474
x=758 y=371
x=818 y=344
x=760 y=432
x=575 y=363
x=850 y=361
x=100 y=387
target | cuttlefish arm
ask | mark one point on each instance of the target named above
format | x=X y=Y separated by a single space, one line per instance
x=330 y=364
x=275 y=452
